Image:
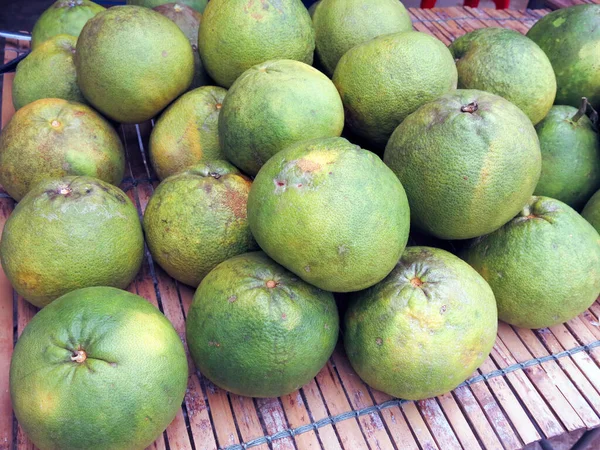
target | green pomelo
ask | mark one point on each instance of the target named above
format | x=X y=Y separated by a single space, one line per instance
x=330 y=212
x=424 y=329
x=591 y=212
x=187 y=132
x=237 y=34
x=51 y=138
x=63 y=17
x=469 y=162
x=387 y=78
x=98 y=369
x=69 y=233
x=47 y=72
x=508 y=64
x=255 y=329
x=188 y=20
x=197 y=219
x=132 y=62
x=196 y=5
x=570 y=157
x=343 y=24
x=274 y=105
x=571 y=39
x=543 y=266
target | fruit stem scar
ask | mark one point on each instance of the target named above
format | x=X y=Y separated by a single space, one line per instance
x=271 y=284
x=55 y=123
x=78 y=356
x=581 y=111
x=470 y=108
x=219 y=105
x=215 y=175
x=416 y=282
x=65 y=190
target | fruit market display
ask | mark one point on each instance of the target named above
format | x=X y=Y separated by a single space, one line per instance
x=283 y=182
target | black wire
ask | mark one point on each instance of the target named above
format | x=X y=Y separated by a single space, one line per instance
x=11 y=66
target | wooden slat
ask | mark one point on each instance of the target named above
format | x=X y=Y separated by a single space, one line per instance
x=418 y=426
x=439 y=426
x=458 y=421
x=316 y=405
x=274 y=419
x=297 y=415
x=247 y=419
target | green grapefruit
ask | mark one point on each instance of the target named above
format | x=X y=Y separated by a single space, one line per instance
x=197 y=219
x=591 y=212
x=63 y=17
x=132 y=62
x=69 y=233
x=273 y=105
x=186 y=133
x=469 y=161
x=508 y=64
x=255 y=329
x=543 y=265
x=330 y=212
x=98 y=369
x=197 y=5
x=424 y=329
x=51 y=138
x=343 y=24
x=236 y=35
x=387 y=78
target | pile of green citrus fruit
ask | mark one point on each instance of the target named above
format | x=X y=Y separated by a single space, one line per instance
x=268 y=206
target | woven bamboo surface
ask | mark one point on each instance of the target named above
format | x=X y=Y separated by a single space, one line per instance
x=535 y=384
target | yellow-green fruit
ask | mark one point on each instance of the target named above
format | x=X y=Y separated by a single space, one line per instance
x=387 y=78
x=236 y=35
x=187 y=132
x=274 y=105
x=508 y=64
x=98 y=369
x=570 y=156
x=188 y=20
x=197 y=5
x=48 y=72
x=132 y=62
x=591 y=212
x=255 y=329
x=197 y=219
x=543 y=266
x=330 y=212
x=51 y=138
x=343 y=24
x=469 y=162
x=69 y=233
x=63 y=17
x=424 y=329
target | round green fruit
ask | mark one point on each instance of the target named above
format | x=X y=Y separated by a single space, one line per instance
x=98 y=369
x=236 y=35
x=508 y=64
x=188 y=21
x=187 y=132
x=47 y=72
x=51 y=138
x=424 y=329
x=330 y=212
x=197 y=219
x=591 y=212
x=469 y=162
x=385 y=79
x=343 y=24
x=257 y=330
x=69 y=233
x=543 y=266
x=571 y=39
x=197 y=5
x=63 y=17
x=132 y=62
x=273 y=105
x=570 y=157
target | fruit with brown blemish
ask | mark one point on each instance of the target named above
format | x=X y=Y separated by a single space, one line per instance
x=187 y=132
x=424 y=329
x=330 y=212
x=98 y=369
x=274 y=338
x=197 y=219
x=69 y=233
x=52 y=138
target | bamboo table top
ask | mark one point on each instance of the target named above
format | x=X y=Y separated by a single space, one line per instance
x=535 y=384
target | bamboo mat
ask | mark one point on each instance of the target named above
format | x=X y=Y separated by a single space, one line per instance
x=535 y=384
